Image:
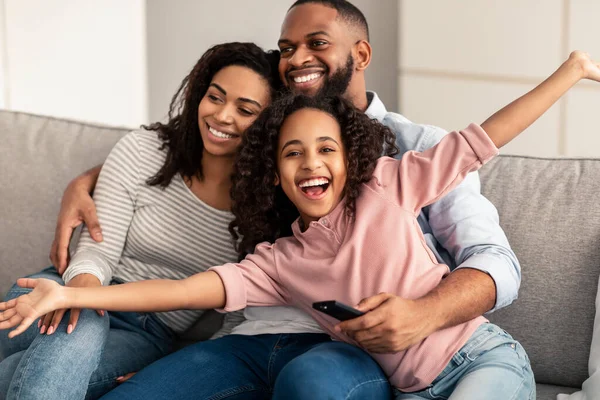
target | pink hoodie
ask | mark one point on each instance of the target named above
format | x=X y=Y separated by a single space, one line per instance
x=382 y=250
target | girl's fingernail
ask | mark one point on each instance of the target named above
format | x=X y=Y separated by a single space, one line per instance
x=39 y=323
x=69 y=329
x=43 y=329
x=120 y=378
x=50 y=330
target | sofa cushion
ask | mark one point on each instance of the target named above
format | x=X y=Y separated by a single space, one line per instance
x=549 y=392
x=38 y=157
x=548 y=209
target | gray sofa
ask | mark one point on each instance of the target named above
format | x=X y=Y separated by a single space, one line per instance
x=547 y=207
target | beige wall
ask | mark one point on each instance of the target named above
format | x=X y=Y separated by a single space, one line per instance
x=462 y=60
x=178 y=32
x=81 y=59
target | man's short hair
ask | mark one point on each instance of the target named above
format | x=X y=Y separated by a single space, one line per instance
x=347 y=11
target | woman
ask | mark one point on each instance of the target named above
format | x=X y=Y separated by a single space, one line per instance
x=163 y=200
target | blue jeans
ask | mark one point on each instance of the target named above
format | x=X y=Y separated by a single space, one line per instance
x=279 y=366
x=83 y=364
x=491 y=365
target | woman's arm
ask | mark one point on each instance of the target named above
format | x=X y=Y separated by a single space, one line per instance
x=201 y=291
x=513 y=119
x=115 y=197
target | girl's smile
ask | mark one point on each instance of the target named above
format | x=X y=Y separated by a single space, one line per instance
x=314 y=188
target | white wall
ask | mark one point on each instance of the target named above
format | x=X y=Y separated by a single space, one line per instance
x=120 y=62
x=461 y=61
x=3 y=82
x=438 y=62
x=82 y=59
x=180 y=31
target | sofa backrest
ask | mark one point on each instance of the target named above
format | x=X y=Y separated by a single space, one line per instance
x=549 y=210
x=38 y=157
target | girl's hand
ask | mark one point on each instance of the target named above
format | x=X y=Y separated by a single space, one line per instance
x=22 y=311
x=49 y=322
x=589 y=68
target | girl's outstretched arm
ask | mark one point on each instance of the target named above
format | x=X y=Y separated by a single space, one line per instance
x=513 y=119
x=201 y=291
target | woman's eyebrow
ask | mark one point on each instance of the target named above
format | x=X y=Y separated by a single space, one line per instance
x=247 y=100
x=219 y=88
x=243 y=99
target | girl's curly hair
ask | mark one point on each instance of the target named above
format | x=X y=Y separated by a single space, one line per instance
x=262 y=210
x=181 y=134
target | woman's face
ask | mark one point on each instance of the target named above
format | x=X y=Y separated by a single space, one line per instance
x=234 y=99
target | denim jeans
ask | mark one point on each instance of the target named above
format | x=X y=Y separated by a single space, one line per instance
x=491 y=365
x=83 y=364
x=277 y=366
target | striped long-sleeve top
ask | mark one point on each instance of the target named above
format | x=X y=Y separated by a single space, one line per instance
x=150 y=232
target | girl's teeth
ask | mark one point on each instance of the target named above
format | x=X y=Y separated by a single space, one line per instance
x=220 y=134
x=313 y=182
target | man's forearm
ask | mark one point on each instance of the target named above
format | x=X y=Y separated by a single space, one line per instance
x=88 y=179
x=463 y=295
x=201 y=291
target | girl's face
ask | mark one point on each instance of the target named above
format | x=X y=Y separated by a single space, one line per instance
x=234 y=99
x=311 y=162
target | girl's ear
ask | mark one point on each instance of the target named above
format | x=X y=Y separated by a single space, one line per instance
x=277 y=181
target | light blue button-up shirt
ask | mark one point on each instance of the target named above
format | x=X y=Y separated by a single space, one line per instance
x=463 y=227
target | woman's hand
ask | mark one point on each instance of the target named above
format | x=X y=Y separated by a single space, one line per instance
x=52 y=319
x=46 y=296
x=76 y=207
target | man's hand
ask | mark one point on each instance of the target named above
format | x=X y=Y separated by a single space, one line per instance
x=391 y=324
x=52 y=319
x=76 y=207
x=46 y=296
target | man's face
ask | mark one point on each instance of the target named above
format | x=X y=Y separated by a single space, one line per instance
x=316 y=51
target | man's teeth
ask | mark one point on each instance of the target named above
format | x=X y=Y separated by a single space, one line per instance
x=314 y=182
x=220 y=134
x=306 y=78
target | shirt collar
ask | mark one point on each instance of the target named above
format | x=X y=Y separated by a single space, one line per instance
x=376 y=108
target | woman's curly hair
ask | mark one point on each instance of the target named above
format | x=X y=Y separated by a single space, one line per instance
x=181 y=134
x=262 y=210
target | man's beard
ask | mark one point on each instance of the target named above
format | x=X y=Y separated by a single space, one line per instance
x=337 y=84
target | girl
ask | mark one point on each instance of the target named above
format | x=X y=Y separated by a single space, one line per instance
x=163 y=199
x=323 y=155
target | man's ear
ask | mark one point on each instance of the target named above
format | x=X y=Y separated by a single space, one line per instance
x=363 y=54
x=277 y=181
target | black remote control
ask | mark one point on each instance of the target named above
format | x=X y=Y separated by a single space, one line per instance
x=337 y=310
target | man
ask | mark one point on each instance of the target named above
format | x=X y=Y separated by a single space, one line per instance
x=325 y=49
